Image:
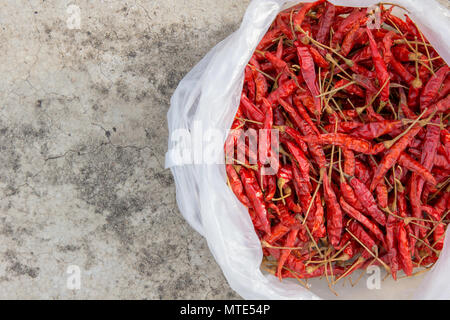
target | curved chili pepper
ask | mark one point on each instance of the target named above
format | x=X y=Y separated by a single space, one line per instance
x=290 y=241
x=318 y=59
x=403 y=249
x=325 y=22
x=441 y=106
x=302 y=189
x=236 y=185
x=357 y=15
x=301 y=109
x=344 y=141
x=382 y=194
x=380 y=67
x=300 y=16
x=358 y=231
x=409 y=163
x=285 y=90
x=391 y=245
x=352 y=89
x=366 y=198
x=372 y=130
x=300 y=157
x=334 y=212
x=431 y=88
x=250 y=110
x=255 y=196
x=392 y=155
x=358 y=216
x=309 y=75
x=349 y=39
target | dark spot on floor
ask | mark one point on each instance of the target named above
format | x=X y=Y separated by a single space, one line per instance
x=21 y=269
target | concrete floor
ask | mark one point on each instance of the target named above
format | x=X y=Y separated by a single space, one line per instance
x=83 y=136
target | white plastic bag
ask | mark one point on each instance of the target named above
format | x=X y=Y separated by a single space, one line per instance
x=208 y=97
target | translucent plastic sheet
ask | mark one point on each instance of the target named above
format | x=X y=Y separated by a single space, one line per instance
x=209 y=96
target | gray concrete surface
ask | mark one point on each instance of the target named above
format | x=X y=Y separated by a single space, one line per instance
x=83 y=135
x=82 y=141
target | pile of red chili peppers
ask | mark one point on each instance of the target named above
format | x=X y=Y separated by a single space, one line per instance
x=364 y=144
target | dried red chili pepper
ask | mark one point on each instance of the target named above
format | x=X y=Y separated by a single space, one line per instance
x=380 y=67
x=334 y=212
x=255 y=195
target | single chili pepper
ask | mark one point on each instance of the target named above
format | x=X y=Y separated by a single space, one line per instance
x=372 y=130
x=441 y=162
x=414 y=93
x=395 y=21
x=365 y=82
x=280 y=49
x=300 y=157
x=325 y=22
x=409 y=163
x=285 y=90
x=260 y=81
x=318 y=228
x=404 y=105
x=344 y=140
x=360 y=70
x=249 y=81
x=279 y=64
x=391 y=245
x=351 y=249
x=302 y=189
x=294 y=207
x=380 y=67
x=236 y=185
x=349 y=161
x=366 y=198
x=264 y=144
x=302 y=111
x=392 y=155
x=382 y=194
x=355 y=214
x=268 y=38
x=271 y=182
x=334 y=212
x=403 y=249
x=349 y=39
x=343 y=127
x=444 y=90
x=412 y=27
x=441 y=106
x=318 y=59
x=296 y=136
x=352 y=89
x=290 y=241
x=431 y=88
x=309 y=75
x=400 y=70
x=362 y=172
x=358 y=231
x=250 y=110
x=284 y=28
x=300 y=16
x=254 y=194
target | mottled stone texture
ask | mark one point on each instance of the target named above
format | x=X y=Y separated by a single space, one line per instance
x=83 y=135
